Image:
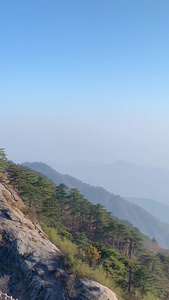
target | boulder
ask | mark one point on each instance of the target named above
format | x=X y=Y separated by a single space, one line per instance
x=92 y=290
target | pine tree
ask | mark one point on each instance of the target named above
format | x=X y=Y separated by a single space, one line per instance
x=3 y=159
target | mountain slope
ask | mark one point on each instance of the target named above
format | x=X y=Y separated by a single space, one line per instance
x=159 y=210
x=28 y=258
x=125 y=179
x=147 y=223
x=94 y=243
x=32 y=266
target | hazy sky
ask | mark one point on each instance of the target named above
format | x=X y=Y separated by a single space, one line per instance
x=85 y=80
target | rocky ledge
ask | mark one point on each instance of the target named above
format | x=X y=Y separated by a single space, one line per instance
x=31 y=266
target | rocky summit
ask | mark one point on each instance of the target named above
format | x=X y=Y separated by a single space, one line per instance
x=31 y=266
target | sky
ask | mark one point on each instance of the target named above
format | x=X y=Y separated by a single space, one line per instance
x=85 y=80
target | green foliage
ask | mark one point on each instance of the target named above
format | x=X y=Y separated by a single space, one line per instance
x=81 y=240
x=113 y=256
x=36 y=192
x=64 y=233
x=112 y=261
x=92 y=254
x=73 y=260
x=143 y=280
x=3 y=159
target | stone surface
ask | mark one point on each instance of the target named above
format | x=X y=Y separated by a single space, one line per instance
x=31 y=266
x=91 y=290
x=28 y=258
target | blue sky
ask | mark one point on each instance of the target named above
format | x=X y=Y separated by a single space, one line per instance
x=85 y=80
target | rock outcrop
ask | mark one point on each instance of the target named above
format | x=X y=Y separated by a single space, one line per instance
x=27 y=257
x=31 y=266
x=91 y=290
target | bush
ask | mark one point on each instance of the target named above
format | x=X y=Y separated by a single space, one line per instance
x=72 y=261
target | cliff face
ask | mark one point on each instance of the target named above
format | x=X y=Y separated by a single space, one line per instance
x=31 y=267
x=29 y=259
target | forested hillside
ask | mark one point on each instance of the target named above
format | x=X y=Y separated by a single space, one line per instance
x=123 y=178
x=95 y=244
x=147 y=223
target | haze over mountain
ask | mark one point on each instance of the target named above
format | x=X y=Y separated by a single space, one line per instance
x=85 y=81
x=123 y=178
x=147 y=223
x=159 y=210
x=55 y=244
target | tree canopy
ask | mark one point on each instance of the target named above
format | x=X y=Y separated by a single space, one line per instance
x=102 y=240
x=3 y=159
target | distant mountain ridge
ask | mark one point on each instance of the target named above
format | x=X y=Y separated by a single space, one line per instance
x=124 y=178
x=121 y=208
x=159 y=210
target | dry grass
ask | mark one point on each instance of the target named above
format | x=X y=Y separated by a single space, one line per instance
x=30 y=213
x=75 y=264
x=3 y=177
x=7 y=197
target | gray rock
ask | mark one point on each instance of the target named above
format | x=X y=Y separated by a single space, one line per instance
x=91 y=290
x=31 y=266
x=30 y=260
